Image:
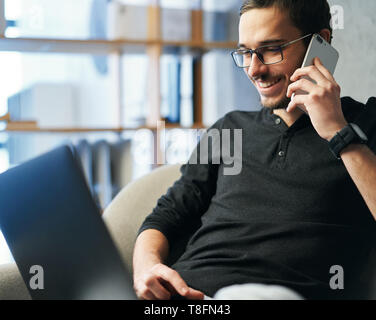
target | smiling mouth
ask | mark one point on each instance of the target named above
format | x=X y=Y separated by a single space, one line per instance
x=268 y=84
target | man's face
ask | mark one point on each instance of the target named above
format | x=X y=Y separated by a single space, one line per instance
x=271 y=26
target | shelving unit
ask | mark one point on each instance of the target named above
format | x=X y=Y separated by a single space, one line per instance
x=88 y=130
x=153 y=45
x=46 y=45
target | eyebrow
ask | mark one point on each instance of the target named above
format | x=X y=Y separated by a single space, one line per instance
x=264 y=43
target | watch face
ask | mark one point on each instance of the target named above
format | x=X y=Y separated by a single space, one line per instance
x=359 y=132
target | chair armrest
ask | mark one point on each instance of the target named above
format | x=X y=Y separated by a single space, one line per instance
x=128 y=210
x=12 y=286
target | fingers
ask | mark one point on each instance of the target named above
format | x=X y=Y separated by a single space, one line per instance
x=317 y=62
x=172 y=277
x=325 y=84
x=158 y=290
x=151 y=289
x=163 y=282
x=177 y=283
x=194 y=294
x=149 y=286
x=146 y=294
x=168 y=287
x=312 y=72
x=298 y=101
x=302 y=84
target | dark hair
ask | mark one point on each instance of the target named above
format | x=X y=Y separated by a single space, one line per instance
x=309 y=16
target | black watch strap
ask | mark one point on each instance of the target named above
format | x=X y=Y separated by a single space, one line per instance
x=344 y=138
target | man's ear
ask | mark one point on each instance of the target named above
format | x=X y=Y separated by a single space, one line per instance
x=326 y=34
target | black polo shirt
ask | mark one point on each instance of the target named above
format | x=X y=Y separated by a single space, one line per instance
x=291 y=214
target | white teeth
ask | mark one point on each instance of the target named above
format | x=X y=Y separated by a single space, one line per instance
x=268 y=84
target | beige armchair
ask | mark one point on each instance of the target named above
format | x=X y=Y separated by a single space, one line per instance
x=123 y=218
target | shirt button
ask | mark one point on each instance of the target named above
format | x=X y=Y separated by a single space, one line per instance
x=278 y=121
x=281 y=153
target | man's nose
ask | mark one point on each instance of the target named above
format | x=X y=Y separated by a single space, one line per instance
x=256 y=68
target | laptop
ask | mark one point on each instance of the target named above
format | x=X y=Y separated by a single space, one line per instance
x=52 y=225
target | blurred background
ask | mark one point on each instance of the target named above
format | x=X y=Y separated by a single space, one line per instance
x=101 y=73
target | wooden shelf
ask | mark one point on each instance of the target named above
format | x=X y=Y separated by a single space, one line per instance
x=99 y=130
x=200 y=45
x=5 y=117
x=46 y=45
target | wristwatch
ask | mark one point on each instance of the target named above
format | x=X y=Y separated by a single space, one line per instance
x=348 y=135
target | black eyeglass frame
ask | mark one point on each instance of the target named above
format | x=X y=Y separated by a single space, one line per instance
x=259 y=55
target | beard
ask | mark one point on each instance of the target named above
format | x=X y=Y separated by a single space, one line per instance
x=282 y=104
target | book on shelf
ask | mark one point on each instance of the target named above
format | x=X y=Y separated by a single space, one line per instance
x=186 y=90
x=135 y=101
x=98 y=30
x=43 y=19
x=215 y=26
x=170 y=88
x=126 y=21
x=51 y=104
x=220 y=25
x=173 y=73
x=108 y=167
x=176 y=24
x=2 y=21
x=177 y=89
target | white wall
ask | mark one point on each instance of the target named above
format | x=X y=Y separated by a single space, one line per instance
x=356 y=43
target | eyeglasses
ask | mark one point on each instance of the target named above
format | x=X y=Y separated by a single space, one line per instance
x=266 y=54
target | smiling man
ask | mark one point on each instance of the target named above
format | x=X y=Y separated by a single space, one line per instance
x=304 y=202
x=268 y=69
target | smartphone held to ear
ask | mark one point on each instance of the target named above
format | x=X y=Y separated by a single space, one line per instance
x=320 y=48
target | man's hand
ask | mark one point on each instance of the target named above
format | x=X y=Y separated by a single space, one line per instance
x=322 y=103
x=161 y=283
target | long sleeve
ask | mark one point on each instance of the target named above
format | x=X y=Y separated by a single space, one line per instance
x=366 y=121
x=179 y=210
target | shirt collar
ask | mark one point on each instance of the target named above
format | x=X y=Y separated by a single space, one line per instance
x=270 y=119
